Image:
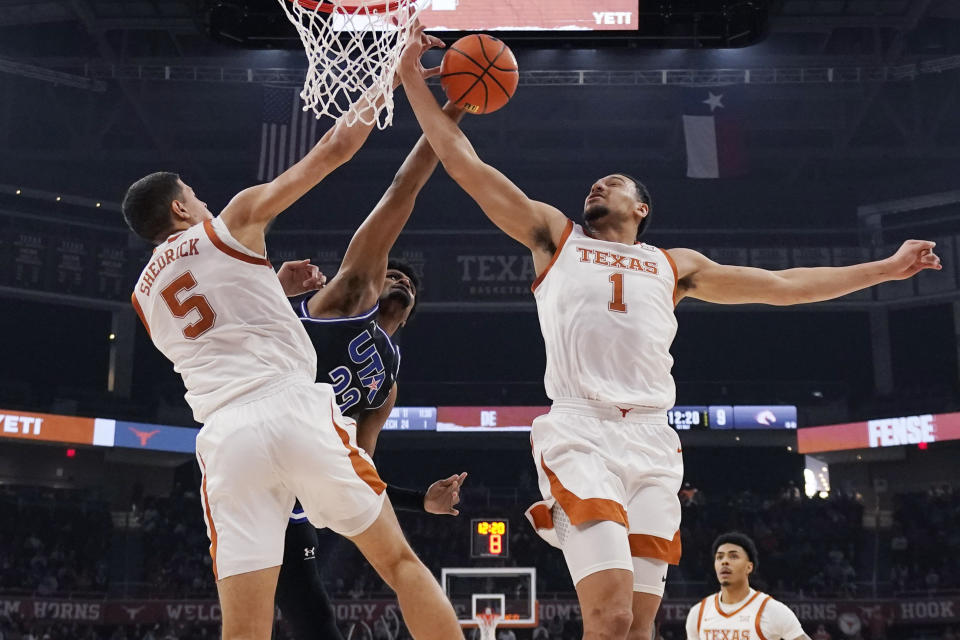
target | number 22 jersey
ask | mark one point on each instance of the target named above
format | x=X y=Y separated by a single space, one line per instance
x=355 y=355
x=606 y=313
x=217 y=311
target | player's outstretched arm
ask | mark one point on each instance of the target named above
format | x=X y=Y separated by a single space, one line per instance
x=536 y=225
x=701 y=278
x=365 y=260
x=250 y=211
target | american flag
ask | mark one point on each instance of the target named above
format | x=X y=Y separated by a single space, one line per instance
x=287 y=132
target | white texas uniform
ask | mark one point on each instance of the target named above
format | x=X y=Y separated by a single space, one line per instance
x=605 y=451
x=756 y=617
x=218 y=312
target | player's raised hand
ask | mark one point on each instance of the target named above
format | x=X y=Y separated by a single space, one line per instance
x=299 y=277
x=911 y=258
x=444 y=495
x=418 y=44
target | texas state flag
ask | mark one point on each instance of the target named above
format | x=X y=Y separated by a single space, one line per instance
x=712 y=132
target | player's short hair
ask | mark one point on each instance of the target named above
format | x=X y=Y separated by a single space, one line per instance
x=407 y=269
x=741 y=540
x=643 y=195
x=146 y=205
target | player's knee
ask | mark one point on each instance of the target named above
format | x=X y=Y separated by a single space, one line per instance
x=398 y=563
x=607 y=623
x=641 y=628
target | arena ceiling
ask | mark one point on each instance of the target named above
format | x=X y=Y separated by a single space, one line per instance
x=859 y=88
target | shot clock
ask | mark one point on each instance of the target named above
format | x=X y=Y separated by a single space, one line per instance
x=489 y=538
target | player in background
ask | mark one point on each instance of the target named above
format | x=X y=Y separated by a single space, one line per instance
x=352 y=323
x=609 y=465
x=214 y=306
x=738 y=612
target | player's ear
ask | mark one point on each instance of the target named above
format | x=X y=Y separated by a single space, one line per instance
x=178 y=210
x=749 y=568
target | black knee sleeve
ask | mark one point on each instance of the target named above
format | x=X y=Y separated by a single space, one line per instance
x=304 y=603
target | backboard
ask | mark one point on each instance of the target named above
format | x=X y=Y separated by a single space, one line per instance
x=510 y=591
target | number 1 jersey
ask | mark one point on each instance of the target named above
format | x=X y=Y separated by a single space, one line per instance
x=607 y=315
x=217 y=311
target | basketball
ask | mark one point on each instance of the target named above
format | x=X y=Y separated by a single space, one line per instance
x=479 y=73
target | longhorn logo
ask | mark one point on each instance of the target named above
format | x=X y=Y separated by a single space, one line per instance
x=133 y=611
x=144 y=435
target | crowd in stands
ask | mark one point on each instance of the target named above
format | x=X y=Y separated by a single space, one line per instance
x=808 y=547
x=52 y=541
x=925 y=541
x=175 y=534
x=57 y=542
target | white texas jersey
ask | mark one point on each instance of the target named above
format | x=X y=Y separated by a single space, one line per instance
x=606 y=313
x=217 y=311
x=756 y=617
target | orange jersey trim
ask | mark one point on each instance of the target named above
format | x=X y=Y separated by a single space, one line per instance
x=676 y=274
x=643 y=545
x=542 y=517
x=230 y=251
x=759 y=615
x=733 y=613
x=703 y=605
x=556 y=254
x=206 y=511
x=168 y=240
x=581 y=510
x=139 y=310
x=366 y=471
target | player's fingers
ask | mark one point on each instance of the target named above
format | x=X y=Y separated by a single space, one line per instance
x=454 y=512
x=463 y=476
x=429 y=73
x=434 y=42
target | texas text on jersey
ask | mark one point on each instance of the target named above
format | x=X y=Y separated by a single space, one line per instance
x=354 y=355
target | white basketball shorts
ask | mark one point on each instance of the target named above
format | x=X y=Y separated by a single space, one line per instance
x=620 y=463
x=259 y=456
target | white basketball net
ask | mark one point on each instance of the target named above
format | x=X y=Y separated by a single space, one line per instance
x=487 y=624
x=353 y=48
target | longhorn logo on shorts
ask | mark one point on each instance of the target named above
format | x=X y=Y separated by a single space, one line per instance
x=624 y=412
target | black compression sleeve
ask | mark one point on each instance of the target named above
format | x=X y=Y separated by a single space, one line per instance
x=406 y=499
x=304 y=603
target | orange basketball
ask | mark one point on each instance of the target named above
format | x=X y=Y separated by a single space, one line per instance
x=479 y=73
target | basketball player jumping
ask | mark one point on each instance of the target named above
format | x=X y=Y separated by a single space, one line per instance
x=214 y=306
x=737 y=611
x=609 y=465
x=352 y=322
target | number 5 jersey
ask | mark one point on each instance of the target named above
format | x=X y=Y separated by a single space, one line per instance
x=217 y=311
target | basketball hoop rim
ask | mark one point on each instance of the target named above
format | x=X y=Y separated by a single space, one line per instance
x=326 y=6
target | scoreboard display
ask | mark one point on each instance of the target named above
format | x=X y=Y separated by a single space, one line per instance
x=683 y=418
x=489 y=538
x=531 y=15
